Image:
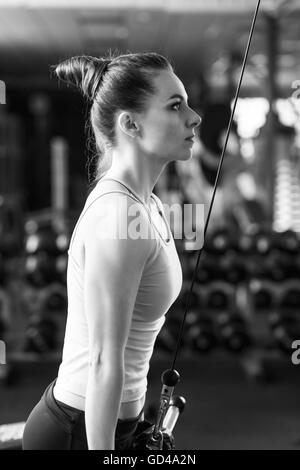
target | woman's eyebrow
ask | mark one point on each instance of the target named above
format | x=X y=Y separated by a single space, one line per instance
x=176 y=96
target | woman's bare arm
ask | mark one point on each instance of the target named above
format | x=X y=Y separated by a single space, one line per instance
x=113 y=269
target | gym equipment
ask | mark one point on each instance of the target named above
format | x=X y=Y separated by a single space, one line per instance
x=40 y=335
x=268 y=295
x=244 y=244
x=277 y=269
x=285 y=327
x=290 y=295
x=233 y=332
x=220 y=241
x=263 y=294
x=200 y=333
x=40 y=269
x=158 y=436
x=11 y=436
x=61 y=265
x=233 y=268
x=54 y=298
x=289 y=242
x=219 y=296
x=144 y=435
x=264 y=240
x=210 y=270
x=256 y=268
x=46 y=239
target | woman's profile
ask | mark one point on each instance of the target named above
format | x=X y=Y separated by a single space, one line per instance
x=121 y=279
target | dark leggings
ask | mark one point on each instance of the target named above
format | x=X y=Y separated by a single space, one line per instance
x=52 y=425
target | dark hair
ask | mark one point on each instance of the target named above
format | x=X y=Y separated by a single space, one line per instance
x=111 y=83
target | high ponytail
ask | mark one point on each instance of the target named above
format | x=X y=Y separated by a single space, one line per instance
x=83 y=72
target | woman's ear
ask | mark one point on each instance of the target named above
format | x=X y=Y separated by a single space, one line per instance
x=127 y=124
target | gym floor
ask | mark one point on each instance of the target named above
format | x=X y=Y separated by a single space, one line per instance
x=224 y=410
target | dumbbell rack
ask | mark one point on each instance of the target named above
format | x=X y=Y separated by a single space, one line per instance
x=43 y=304
x=263 y=334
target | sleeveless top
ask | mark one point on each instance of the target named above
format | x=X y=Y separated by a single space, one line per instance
x=159 y=287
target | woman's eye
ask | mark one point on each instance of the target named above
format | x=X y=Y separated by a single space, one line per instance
x=176 y=106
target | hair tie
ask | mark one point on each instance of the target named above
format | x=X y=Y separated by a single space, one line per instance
x=101 y=70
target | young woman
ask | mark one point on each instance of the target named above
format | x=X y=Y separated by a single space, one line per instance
x=119 y=287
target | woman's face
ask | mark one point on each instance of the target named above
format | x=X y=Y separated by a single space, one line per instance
x=168 y=121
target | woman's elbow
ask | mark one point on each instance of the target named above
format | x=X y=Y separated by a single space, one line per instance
x=105 y=360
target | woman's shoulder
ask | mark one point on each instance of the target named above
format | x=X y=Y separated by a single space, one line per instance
x=115 y=209
x=109 y=192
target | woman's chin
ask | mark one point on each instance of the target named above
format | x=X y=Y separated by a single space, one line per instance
x=185 y=155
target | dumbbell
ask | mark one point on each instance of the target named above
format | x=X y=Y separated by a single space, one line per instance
x=62 y=242
x=285 y=328
x=264 y=240
x=233 y=332
x=54 y=298
x=256 y=267
x=206 y=269
x=233 y=268
x=200 y=332
x=220 y=241
x=280 y=261
x=46 y=239
x=290 y=298
x=263 y=294
x=40 y=269
x=61 y=265
x=209 y=269
x=218 y=295
x=40 y=335
x=245 y=244
x=277 y=266
x=288 y=242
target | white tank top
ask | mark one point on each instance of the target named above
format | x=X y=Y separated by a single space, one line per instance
x=160 y=285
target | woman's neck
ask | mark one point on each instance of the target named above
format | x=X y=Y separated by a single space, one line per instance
x=140 y=174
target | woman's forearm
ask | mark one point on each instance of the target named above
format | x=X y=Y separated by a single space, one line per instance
x=103 y=397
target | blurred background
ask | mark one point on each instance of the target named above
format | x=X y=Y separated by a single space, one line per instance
x=237 y=372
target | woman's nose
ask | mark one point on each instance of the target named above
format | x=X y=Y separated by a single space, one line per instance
x=194 y=119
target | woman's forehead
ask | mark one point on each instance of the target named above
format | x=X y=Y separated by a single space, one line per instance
x=168 y=84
